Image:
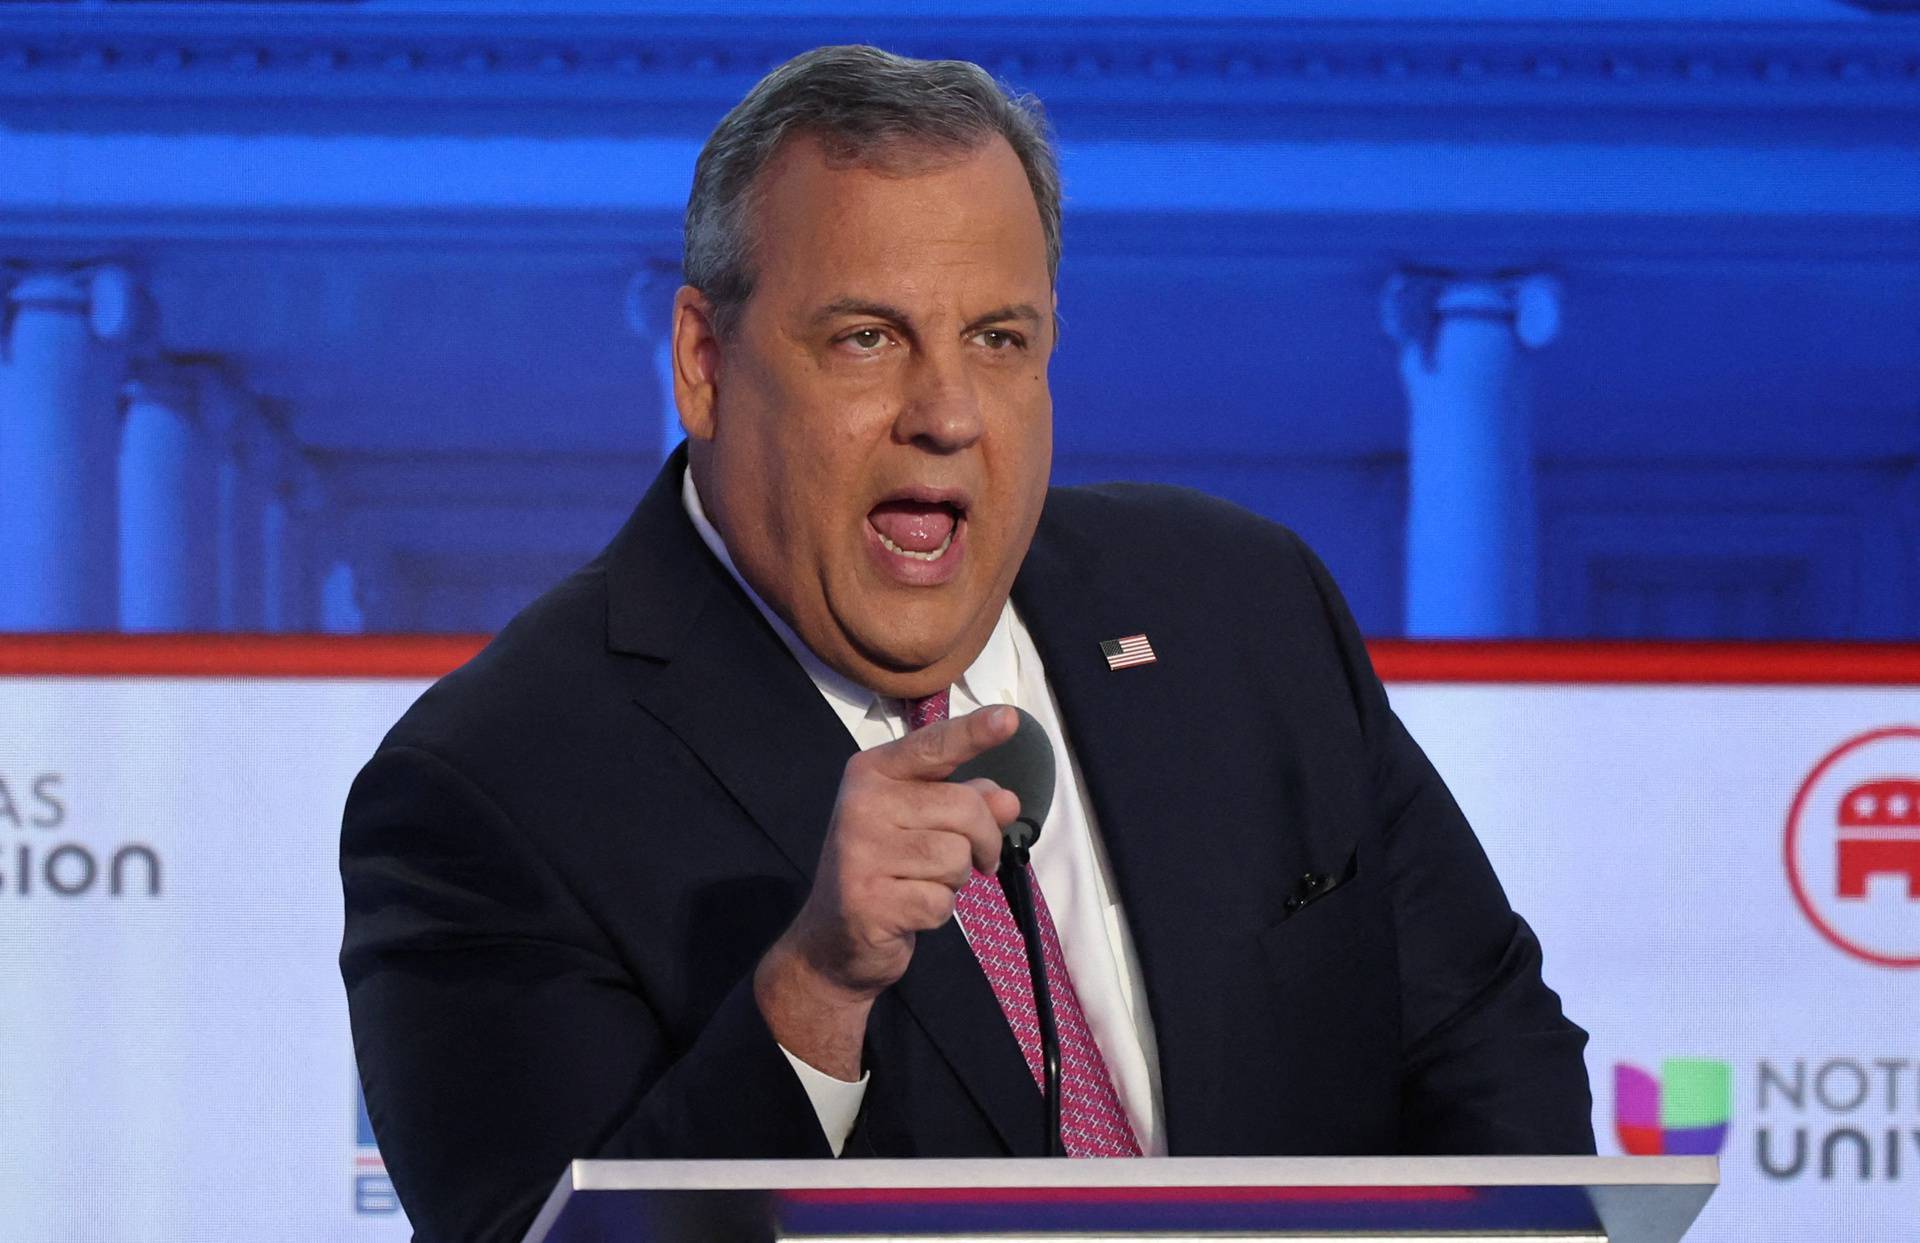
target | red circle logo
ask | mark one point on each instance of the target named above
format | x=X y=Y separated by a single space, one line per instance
x=1853 y=846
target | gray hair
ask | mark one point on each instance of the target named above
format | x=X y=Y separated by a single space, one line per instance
x=863 y=104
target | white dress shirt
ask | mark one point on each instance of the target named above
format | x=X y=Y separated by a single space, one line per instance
x=1068 y=861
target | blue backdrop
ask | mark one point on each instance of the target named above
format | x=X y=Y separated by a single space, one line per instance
x=336 y=316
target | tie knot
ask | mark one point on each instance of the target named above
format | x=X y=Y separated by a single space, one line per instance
x=924 y=712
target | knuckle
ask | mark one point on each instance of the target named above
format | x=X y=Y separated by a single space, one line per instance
x=862 y=782
x=936 y=905
x=850 y=871
x=948 y=802
x=924 y=744
x=924 y=848
x=956 y=852
x=946 y=847
x=863 y=805
x=959 y=863
x=868 y=898
x=859 y=864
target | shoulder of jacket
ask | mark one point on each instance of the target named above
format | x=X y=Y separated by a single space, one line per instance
x=551 y=652
x=1155 y=516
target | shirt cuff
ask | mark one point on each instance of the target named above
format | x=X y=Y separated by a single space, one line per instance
x=836 y=1103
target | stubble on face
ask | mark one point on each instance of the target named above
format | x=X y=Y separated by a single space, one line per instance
x=880 y=435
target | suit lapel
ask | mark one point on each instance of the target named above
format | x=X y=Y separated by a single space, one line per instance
x=748 y=711
x=949 y=997
x=715 y=675
x=712 y=672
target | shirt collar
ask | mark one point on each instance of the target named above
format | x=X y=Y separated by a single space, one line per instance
x=992 y=678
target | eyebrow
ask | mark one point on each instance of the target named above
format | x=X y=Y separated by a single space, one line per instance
x=893 y=314
x=860 y=306
x=1000 y=315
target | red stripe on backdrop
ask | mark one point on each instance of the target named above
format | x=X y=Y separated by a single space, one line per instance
x=1697 y=664
x=234 y=655
x=1398 y=660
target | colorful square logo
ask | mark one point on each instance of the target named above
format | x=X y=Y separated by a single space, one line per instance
x=1684 y=1112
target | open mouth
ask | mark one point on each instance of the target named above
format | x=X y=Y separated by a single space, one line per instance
x=918 y=527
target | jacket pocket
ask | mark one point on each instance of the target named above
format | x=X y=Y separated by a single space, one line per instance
x=1311 y=888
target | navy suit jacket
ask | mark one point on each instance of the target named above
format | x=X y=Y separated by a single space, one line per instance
x=563 y=863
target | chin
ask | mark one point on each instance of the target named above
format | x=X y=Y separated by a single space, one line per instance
x=898 y=659
x=902 y=634
x=904 y=659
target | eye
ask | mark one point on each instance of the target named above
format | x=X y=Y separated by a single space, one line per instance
x=1000 y=339
x=866 y=340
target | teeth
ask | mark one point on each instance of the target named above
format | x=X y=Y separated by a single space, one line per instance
x=935 y=555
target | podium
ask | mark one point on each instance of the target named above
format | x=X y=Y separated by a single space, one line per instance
x=1296 y=1199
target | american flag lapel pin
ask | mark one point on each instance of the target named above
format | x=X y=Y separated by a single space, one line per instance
x=1128 y=652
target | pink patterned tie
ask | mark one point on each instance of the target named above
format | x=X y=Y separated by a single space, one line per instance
x=1092 y=1122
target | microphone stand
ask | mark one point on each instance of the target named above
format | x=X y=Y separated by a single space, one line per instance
x=1019 y=891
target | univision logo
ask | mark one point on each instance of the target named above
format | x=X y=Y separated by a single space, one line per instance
x=1682 y=1112
x=1831 y=1119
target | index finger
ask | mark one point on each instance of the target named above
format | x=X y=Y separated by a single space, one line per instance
x=932 y=752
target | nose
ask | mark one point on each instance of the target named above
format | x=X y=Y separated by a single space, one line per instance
x=940 y=411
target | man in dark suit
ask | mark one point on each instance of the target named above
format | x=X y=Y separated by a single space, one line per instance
x=671 y=869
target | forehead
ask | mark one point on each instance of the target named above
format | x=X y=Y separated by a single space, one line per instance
x=917 y=219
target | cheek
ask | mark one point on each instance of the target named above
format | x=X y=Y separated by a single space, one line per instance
x=1029 y=434
x=819 y=468
x=1020 y=467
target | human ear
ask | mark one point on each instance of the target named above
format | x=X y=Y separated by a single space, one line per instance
x=696 y=363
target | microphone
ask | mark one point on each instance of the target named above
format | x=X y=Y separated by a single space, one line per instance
x=1024 y=764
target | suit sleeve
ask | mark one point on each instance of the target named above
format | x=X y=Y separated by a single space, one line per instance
x=1490 y=1063
x=499 y=1036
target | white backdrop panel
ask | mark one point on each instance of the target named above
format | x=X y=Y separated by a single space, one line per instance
x=1641 y=830
x=177 y=1064
x=178 y=1067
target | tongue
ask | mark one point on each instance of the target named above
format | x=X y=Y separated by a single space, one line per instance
x=917 y=526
